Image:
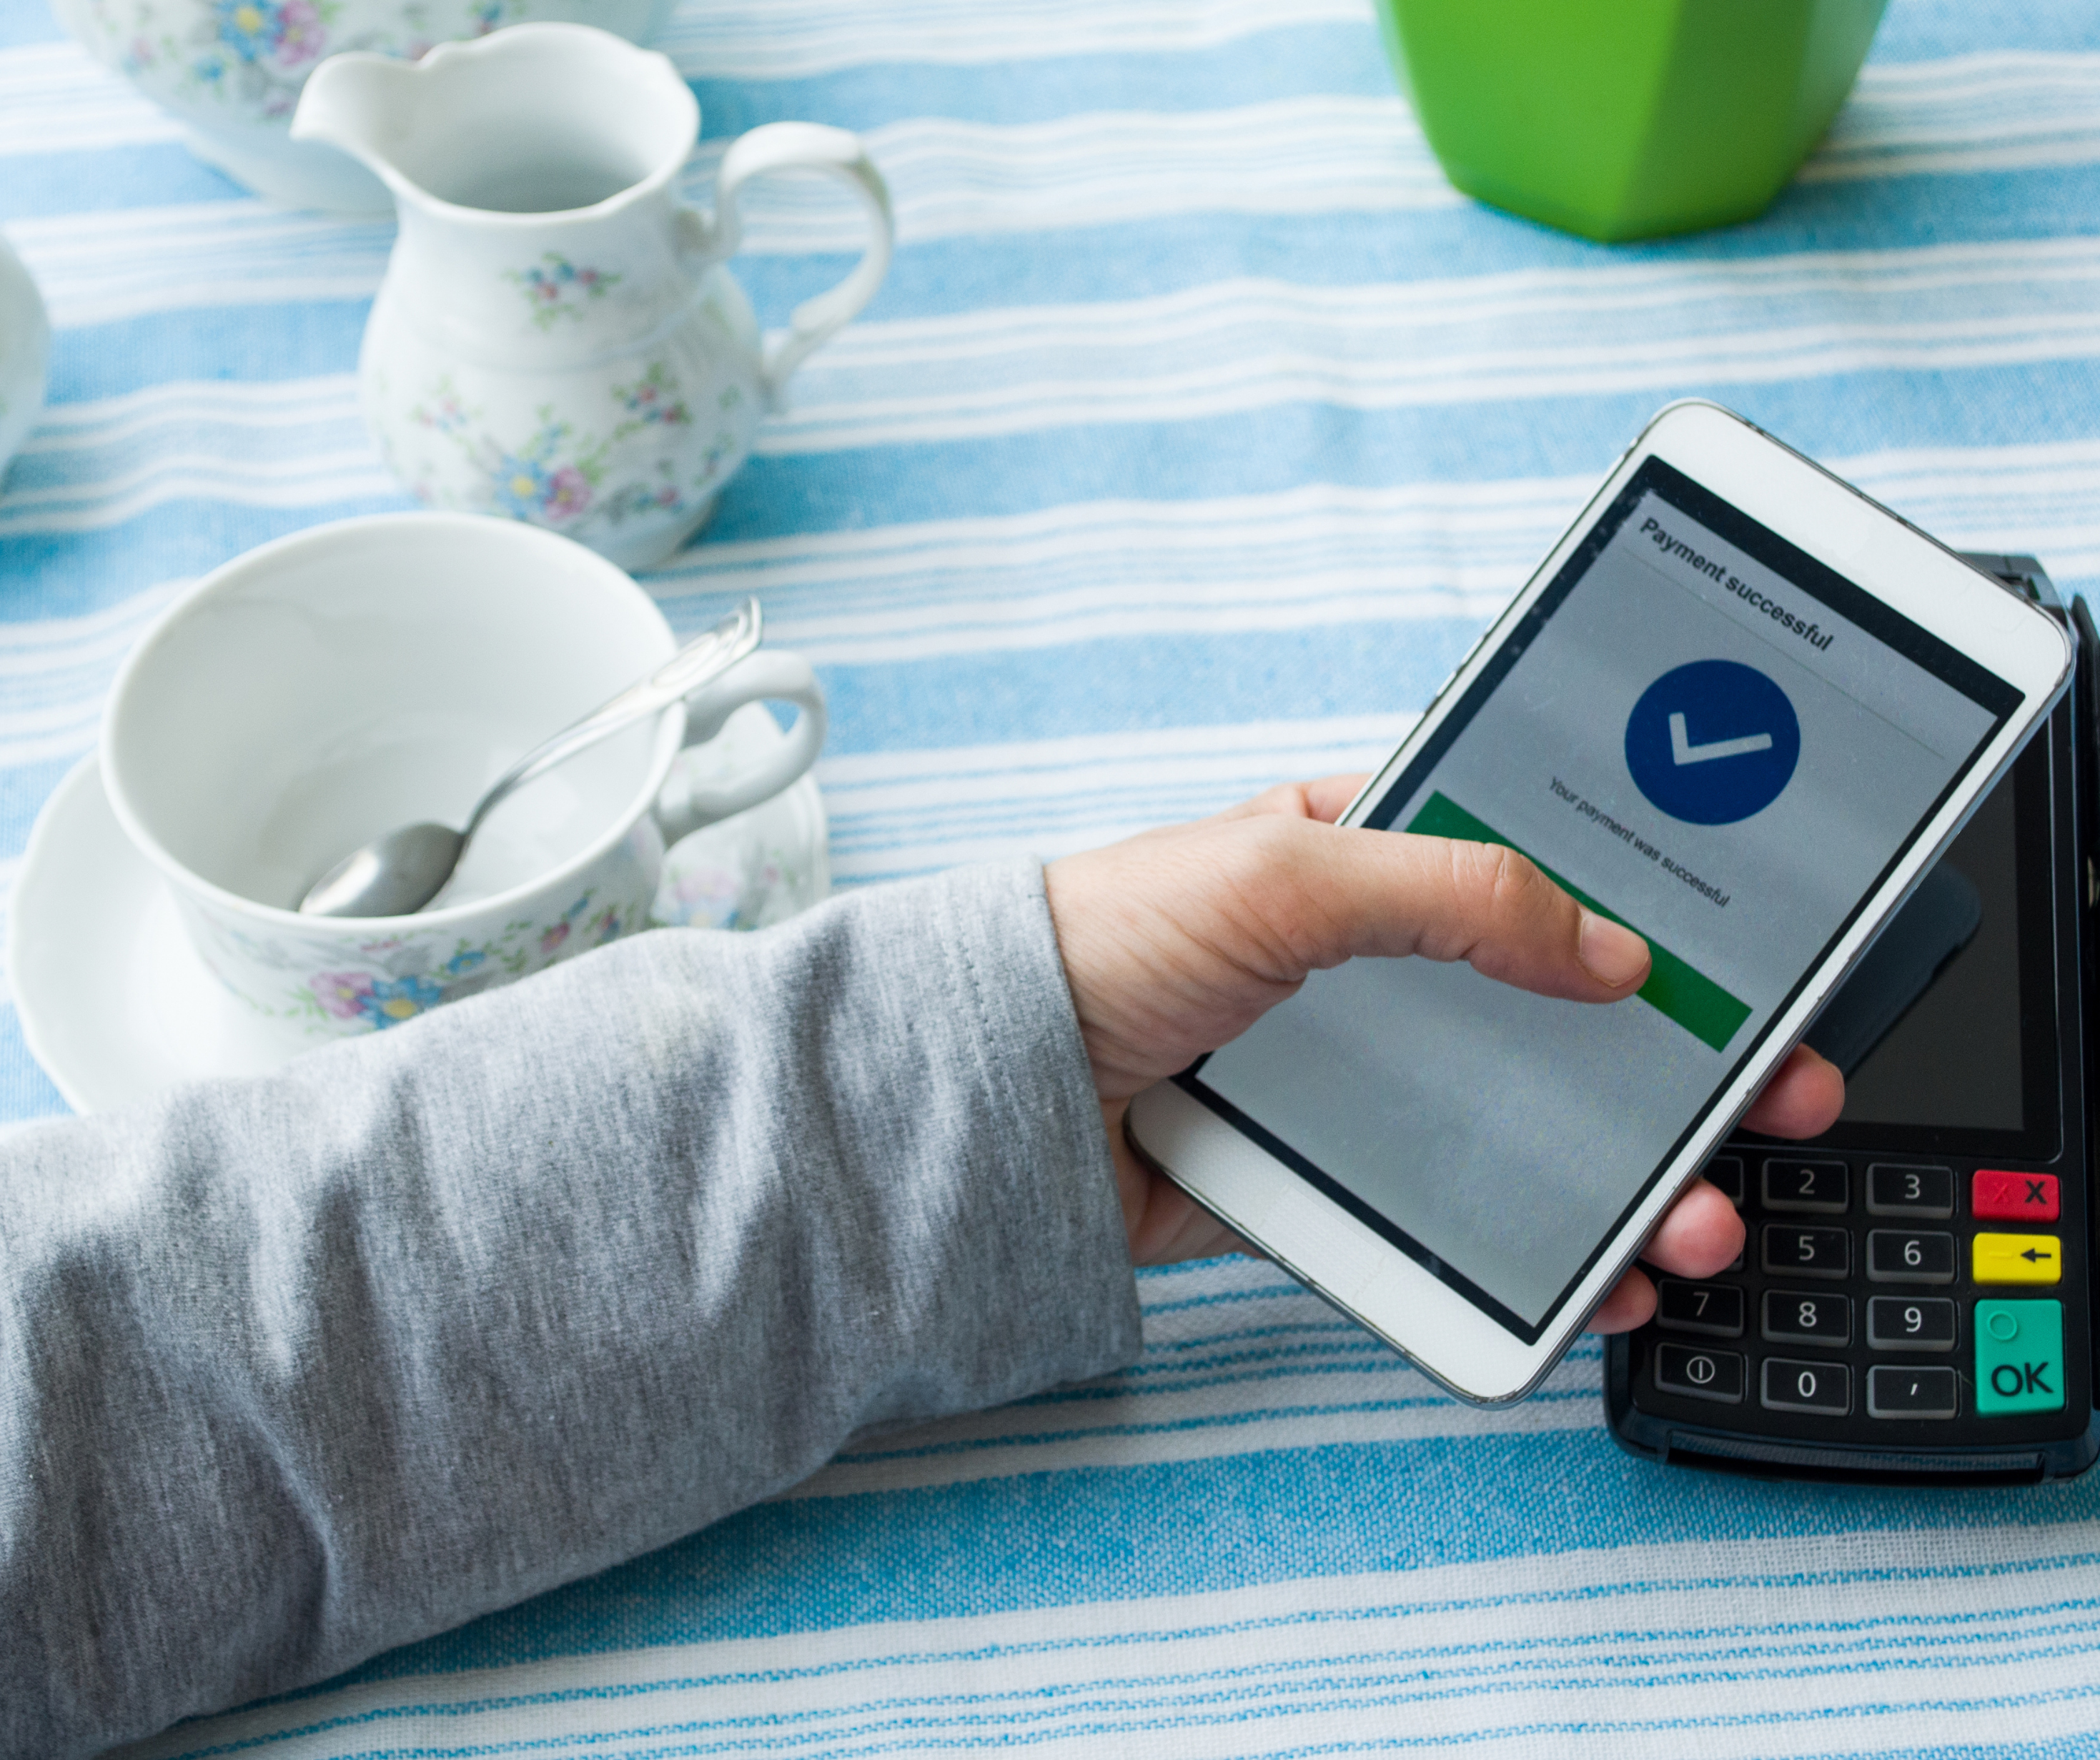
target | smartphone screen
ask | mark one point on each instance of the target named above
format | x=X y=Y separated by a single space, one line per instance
x=1697 y=729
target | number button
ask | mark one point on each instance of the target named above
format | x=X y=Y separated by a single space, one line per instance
x=1816 y=1253
x=1918 y=1191
x=1823 y=1387
x=1893 y=1392
x=1818 y=1185
x=1708 y=1375
x=1792 y=1317
x=1715 y=1308
x=1911 y=1322
x=1896 y=1257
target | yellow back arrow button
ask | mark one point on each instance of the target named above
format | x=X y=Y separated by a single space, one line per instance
x=2018 y=1259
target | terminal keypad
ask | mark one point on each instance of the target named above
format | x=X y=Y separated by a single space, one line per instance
x=1874 y=1295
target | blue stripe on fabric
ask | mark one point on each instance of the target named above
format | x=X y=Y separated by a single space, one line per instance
x=1283 y=445
x=1924 y=30
x=1142 y=682
x=1177 y=251
x=68 y=575
x=26 y=1090
x=2072 y=1746
x=23 y=22
x=1004 y=1720
x=1301 y=1410
x=1084 y=1535
x=109 y=179
x=1172 y=253
x=1810 y=1636
x=1323 y=60
x=250 y=344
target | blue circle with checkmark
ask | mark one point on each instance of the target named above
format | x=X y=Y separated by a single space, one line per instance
x=1713 y=743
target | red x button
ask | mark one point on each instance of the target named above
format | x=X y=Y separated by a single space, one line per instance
x=2001 y=1197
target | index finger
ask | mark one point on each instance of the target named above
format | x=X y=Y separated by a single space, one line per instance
x=1324 y=799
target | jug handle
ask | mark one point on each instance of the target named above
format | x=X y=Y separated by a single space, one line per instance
x=799 y=146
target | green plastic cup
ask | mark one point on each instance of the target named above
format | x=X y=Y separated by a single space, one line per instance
x=1627 y=119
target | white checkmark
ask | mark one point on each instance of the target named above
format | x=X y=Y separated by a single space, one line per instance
x=1684 y=752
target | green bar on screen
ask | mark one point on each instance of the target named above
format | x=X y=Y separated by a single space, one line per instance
x=1688 y=997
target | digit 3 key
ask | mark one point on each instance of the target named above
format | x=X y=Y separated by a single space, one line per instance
x=1914 y=1301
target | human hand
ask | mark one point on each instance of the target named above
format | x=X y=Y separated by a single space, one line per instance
x=1177 y=941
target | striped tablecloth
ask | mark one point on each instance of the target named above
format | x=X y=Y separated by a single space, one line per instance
x=1199 y=428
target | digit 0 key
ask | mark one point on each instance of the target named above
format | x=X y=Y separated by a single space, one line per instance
x=1823 y=1387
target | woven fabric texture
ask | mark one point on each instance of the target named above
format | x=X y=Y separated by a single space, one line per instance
x=1199 y=427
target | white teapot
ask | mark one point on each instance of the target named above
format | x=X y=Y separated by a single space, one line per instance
x=556 y=340
x=230 y=70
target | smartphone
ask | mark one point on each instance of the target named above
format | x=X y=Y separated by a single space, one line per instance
x=1740 y=708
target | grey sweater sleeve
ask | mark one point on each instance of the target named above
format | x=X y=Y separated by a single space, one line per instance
x=296 y=1369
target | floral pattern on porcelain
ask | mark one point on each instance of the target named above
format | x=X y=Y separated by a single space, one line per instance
x=555 y=288
x=326 y=984
x=760 y=867
x=647 y=463
x=384 y=995
x=252 y=57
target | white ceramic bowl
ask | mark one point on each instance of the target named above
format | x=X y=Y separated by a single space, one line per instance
x=232 y=71
x=25 y=349
x=327 y=688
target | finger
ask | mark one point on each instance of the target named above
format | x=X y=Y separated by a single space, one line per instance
x=1329 y=797
x=1803 y=1098
x=1332 y=893
x=1630 y=1304
x=1699 y=1235
x=1162 y=1223
x=1325 y=799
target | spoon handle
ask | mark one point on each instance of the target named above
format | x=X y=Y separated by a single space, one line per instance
x=702 y=659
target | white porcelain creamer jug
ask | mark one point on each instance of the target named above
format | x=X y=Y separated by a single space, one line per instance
x=556 y=339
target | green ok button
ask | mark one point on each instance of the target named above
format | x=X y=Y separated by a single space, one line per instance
x=2019 y=1356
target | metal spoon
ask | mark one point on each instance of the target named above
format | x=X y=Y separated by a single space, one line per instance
x=400 y=873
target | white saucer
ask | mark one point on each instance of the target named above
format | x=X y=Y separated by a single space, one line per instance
x=117 y=1007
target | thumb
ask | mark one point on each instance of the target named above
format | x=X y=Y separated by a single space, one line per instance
x=1176 y=942
x=1395 y=895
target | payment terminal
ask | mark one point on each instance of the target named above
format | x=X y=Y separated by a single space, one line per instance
x=1915 y=1301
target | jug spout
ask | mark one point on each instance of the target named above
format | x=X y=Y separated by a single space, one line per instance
x=364 y=103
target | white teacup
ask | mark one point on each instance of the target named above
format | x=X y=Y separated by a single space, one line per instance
x=326 y=688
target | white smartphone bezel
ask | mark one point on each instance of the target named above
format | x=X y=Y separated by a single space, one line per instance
x=1342 y=1258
